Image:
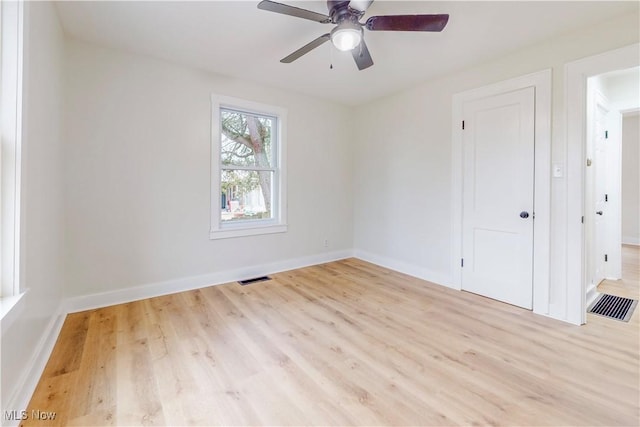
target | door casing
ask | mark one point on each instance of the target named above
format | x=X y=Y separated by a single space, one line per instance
x=576 y=75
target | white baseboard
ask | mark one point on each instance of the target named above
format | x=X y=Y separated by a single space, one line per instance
x=630 y=240
x=39 y=358
x=592 y=294
x=119 y=296
x=406 y=268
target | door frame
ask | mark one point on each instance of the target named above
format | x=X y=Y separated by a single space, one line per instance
x=612 y=220
x=541 y=81
x=576 y=75
x=613 y=268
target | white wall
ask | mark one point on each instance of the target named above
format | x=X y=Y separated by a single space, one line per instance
x=631 y=179
x=35 y=319
x=138 y=151
x=622 y=88
x=402 y=176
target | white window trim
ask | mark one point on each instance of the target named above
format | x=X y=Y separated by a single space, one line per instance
x=12 y=31
x=248 y=227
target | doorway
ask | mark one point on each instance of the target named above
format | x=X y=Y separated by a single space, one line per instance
x=610 y=96
x=577 y=74
x=628 y=284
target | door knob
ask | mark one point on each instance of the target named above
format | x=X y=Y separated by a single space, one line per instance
x=524 y=214
x=599 y=212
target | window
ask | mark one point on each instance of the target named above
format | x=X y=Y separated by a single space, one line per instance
x=248 y=190
x=11 y=32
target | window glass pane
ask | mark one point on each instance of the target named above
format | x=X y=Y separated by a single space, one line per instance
x=246 y=195
x=246 y=139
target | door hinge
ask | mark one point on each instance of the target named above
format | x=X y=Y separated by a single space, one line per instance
x=606 y=258
x=463 y=125
x=461 y=262
x=606 y=197
x=606 y=134
x=582 y=220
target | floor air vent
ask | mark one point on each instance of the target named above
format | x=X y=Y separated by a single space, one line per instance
x=613 y=307
x=254 y=280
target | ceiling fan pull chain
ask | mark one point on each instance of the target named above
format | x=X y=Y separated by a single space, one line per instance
x=331 y=57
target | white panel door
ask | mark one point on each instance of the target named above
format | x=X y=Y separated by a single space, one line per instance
x=497 y=221
x=600 y=177
x=613 y=196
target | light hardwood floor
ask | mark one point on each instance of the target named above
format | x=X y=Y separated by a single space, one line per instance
x=345 y=343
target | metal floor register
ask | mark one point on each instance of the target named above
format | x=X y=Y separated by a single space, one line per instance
x=614 y=307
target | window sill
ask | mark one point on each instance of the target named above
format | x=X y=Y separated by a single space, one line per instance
x=227 y=233
x=9 y=309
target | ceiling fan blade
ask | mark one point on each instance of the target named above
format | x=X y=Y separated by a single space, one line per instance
x=407 y=23
x=284 y=9
x=306 y=49
x=362 y=56
x=360 y=5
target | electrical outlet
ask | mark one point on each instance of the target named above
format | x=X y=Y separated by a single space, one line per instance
x=326 y=243
x=558 y=170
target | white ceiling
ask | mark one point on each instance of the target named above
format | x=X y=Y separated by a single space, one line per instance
x=235 y=38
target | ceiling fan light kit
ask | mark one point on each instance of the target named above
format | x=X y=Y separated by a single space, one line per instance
x=346 y=36
x=349 y=31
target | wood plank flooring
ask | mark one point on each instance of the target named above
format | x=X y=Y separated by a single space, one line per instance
x=344 y=343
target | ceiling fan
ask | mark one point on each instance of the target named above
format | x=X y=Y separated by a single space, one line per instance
x=348 y=33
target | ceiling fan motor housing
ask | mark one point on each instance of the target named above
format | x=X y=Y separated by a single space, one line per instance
x=340 y=11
